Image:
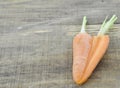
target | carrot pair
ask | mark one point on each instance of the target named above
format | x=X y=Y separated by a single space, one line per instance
x=88 y=50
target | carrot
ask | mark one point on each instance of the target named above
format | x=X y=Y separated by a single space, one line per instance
x=93 y=48
x=95 y=42
x=99 y=51
x=99 y=47
x=81 y=47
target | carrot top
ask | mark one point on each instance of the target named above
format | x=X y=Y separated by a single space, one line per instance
x=83 y=25
x=106 y=25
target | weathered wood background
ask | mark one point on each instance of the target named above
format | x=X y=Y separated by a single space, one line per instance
x=36 y=42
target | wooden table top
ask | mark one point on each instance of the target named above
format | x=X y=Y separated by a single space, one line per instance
x=36 y=42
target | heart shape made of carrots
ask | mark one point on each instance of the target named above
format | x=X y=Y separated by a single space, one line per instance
x=88 y=50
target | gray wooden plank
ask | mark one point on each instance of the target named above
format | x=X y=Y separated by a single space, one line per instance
x=42 y=58
x=36 y=42
x=18 y=12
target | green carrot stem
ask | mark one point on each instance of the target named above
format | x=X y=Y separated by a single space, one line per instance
x=83 y=25
x=104 y=22
x=106 y=25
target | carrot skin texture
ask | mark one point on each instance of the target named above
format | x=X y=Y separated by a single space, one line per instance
x=92 y=50
x=95 y=43
x=98 y=50
x=81 y=47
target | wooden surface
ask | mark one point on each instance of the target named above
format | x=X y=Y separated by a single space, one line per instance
x=36 y=43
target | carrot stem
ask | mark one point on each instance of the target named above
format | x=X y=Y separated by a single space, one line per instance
x=103 y=24
x=83 y=25
x=106 y=25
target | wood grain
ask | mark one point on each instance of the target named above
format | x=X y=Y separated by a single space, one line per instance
x=36 y=43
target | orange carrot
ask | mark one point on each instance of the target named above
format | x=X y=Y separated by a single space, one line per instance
x=95 y=43
x=81 y=47
x=99 y=47
x=92 y=50
x=98 y=52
